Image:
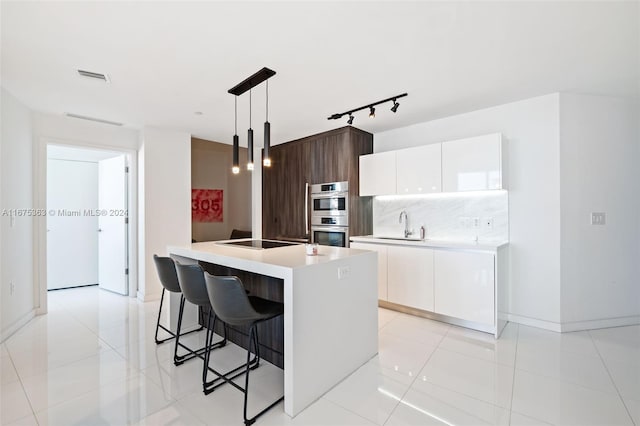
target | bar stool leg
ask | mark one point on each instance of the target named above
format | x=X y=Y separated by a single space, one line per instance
x=158 y=322
x=177 y=360
x=253 y=336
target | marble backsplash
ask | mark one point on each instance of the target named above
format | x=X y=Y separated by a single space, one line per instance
x=451 y=216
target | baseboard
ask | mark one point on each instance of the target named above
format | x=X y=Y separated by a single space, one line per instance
x=17 y=325
x=600 y=323
x=569 y=326
x=534 y=322
x=143 y=297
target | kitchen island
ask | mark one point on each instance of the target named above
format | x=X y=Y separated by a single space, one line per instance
x=330 y=309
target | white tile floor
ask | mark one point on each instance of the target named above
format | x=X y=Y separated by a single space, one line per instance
x=92 y=361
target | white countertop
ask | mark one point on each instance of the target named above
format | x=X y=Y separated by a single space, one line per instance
x=467 y=245
x=261 y=260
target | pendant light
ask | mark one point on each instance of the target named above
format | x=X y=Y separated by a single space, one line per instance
x=250 y=139
x=236 y=142
x=267 y=133
x=246 y=85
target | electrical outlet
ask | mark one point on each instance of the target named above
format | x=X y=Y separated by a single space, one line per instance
x=461 y=222
x=476 y=222
x=344 y=272
x=598 y=218
x=488 y=222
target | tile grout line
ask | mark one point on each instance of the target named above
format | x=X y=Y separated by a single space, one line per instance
x=416 y=377
x=513 y=380
x=24 y=391
x=611 y=377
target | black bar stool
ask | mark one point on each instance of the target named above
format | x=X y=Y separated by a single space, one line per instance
x=168 y=278
x=232 y=305
x=191 y=279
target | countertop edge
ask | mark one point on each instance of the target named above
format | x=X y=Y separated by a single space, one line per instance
x=431 y=243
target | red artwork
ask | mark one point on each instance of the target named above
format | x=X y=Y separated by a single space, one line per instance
x=206 y=205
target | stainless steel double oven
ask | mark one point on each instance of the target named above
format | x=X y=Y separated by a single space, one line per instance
x=330 y=214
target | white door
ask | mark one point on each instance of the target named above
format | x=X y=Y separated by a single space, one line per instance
x=112 y=224
x=72 y=241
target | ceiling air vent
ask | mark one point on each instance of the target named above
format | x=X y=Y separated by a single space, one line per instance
x=95 y=75
x=99 y=120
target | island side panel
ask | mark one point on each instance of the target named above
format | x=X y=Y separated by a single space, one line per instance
x=333 y=326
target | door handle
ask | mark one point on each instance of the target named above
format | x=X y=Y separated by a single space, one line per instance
x=306 y=207
x=99 y=230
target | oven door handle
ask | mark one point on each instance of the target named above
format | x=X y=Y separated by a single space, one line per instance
x=306 y=207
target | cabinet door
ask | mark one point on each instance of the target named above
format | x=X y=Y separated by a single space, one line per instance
x=464 y=285
x=472 y=164
x=378 y=173
x=283 y=197
x=419 y=170
x=382 y=265
x=410 y=277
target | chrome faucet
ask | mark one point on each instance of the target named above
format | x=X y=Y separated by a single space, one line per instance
x=406 y=223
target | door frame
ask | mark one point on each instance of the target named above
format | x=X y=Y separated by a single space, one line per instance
x=40 y=222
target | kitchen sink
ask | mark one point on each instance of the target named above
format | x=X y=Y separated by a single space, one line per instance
x=397 y=238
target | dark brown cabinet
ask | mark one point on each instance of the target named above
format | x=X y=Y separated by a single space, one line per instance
x=326 y=157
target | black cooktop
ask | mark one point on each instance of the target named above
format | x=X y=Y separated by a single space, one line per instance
x=259 y=244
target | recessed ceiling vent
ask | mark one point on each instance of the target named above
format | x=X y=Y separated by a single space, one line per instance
x=99 y=120
x=94 y=75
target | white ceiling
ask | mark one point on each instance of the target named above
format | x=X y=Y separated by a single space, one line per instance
x=168 y=60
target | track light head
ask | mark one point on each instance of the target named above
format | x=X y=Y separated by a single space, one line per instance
x=395 y=106
x=372 y=112
x=350 y=120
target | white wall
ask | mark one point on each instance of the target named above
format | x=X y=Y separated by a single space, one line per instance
x=73 y=131
x=599 y=153
x=211 y=169
x=531 y=128
x=164 y=201
x=16 y=192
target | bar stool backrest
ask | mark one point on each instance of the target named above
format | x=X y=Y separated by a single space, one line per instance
x=167 y=273
x=229 y=300
x=191 y=278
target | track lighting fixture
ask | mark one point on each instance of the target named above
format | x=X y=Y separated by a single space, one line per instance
x=249 y=83
x=235 y=169
x=372 y=110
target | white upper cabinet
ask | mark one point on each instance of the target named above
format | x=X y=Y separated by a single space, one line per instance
x=472 y=164
x=419 y=170
x=378 y=174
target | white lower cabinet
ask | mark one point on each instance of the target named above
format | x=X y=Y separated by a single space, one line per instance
x=382 y=265
x=410 y=276
x=465 y=285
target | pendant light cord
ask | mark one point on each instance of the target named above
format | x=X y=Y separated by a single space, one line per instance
x=236 y=115
x=250 y=108
x=267 y=97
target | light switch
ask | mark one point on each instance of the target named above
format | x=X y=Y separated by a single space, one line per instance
x=598 y=218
